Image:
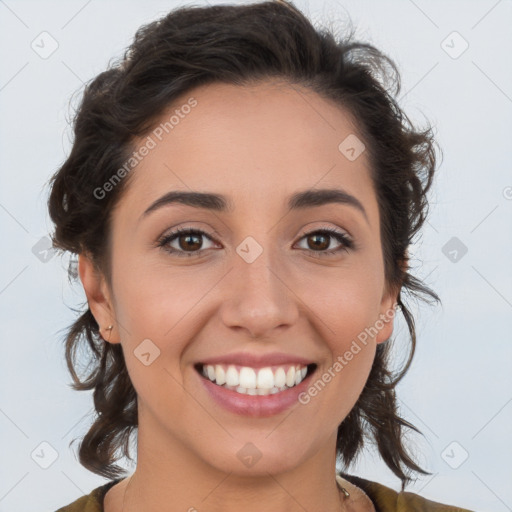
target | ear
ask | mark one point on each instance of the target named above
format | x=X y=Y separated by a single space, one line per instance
x=388 y=309
x=98 y=297
x=387 y=312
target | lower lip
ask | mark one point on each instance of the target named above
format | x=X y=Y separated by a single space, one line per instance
x=256 y=406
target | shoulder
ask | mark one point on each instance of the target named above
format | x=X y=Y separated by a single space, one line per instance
x=386 y=499
x=92 y=502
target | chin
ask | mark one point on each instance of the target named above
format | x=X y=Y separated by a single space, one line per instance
x=256 y=458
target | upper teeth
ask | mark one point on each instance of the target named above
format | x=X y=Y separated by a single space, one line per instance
x=253 y=381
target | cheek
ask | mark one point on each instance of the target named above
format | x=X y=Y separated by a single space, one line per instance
x=151 y=298
x=154 y=319
x=346 y=308
x=344 y=301
x=161 y=305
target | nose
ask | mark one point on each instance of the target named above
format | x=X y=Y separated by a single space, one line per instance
x=258 y=298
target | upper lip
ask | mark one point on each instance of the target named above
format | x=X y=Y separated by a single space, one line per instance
x=257 y=360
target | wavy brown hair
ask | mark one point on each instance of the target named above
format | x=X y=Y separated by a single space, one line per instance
x=241 y=45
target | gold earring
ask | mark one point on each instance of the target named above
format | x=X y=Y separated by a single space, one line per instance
x=343 y=490
x=109 y=329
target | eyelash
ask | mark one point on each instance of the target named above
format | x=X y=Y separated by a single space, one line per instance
x=345 y=240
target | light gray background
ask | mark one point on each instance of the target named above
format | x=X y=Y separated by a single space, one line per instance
x=459 y=388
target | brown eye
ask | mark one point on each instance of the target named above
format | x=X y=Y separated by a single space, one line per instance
x=190 y=242
x=320 y=240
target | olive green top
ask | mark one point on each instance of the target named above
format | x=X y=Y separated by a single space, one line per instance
x=384 y=499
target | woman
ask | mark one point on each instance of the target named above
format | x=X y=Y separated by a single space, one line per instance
x=241 y=192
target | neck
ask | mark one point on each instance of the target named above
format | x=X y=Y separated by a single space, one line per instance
x=169 y=477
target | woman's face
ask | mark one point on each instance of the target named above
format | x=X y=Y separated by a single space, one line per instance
x=257 y=288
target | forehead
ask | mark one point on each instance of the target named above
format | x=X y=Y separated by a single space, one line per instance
x=257 y=144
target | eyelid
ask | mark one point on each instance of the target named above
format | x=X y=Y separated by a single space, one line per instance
x=326 y=227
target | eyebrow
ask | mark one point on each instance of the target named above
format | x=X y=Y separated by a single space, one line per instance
x=220 y=203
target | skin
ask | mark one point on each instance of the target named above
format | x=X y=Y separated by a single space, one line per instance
x=258 y=145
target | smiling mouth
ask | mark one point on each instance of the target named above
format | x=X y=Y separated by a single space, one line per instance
x=256 y=381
